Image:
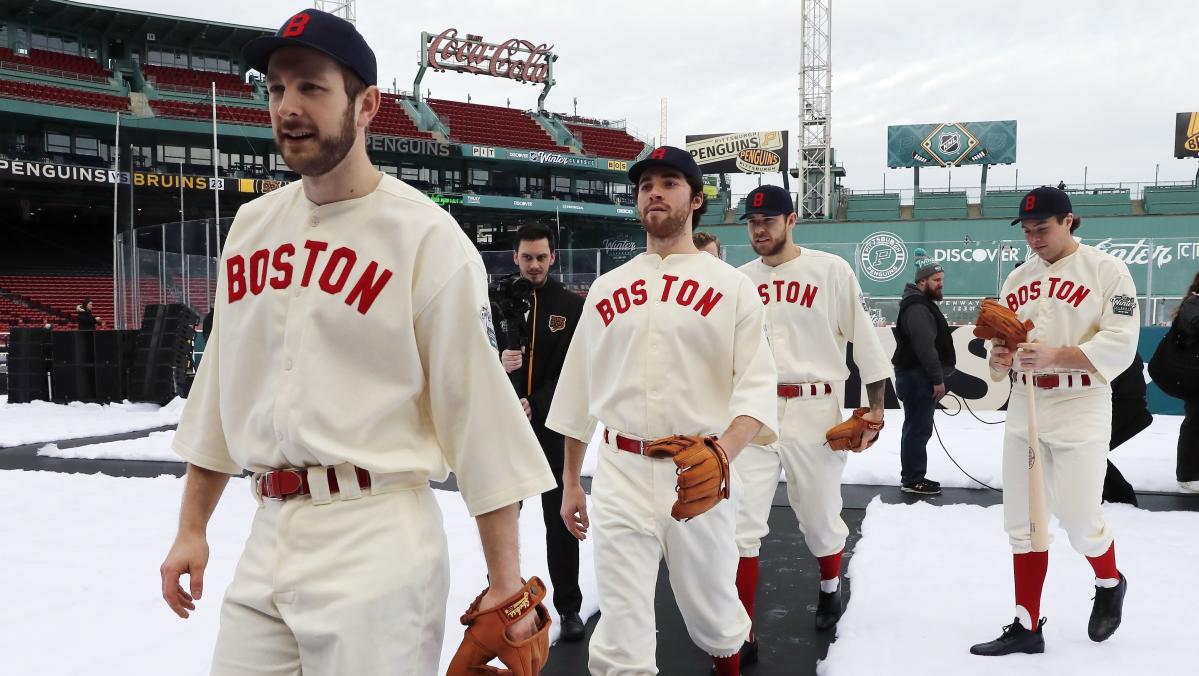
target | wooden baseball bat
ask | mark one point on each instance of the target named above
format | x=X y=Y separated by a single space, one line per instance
x=1038 y=521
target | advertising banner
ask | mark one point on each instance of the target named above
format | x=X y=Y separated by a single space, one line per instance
x=951 y=144
x=757 y=152
x=51 y=172
x=1186 y=135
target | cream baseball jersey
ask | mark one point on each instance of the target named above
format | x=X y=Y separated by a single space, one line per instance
x=813 y=308
x=359 y=332
x=1086 y=299
x=667 y=346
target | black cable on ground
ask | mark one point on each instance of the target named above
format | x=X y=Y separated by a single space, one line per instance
x=962 y=404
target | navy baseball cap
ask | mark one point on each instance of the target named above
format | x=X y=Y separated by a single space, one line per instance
x=668 y=156
x=768 y=200
x=331 y=35
x=1042 y=203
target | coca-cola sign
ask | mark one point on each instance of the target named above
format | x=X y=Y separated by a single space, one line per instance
x=515 y=59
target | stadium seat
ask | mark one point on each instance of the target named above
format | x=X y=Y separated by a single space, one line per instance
x=15 y=89
x=940 y=205
x=203 y=111
x=55 y=63
x=183 y=79
x=877 y=207
x=607 y=142
x=493 y=125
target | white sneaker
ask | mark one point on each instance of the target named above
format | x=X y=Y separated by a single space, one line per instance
x=1189 y=486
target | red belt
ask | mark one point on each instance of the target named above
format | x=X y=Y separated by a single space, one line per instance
x=285 y=483
x=1052 y=381
x=789 y=391
x=626 y=443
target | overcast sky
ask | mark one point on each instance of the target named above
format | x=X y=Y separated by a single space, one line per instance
x=1091 y=83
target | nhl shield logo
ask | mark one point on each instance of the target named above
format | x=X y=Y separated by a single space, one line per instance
x=557 y=323
x=950 y=142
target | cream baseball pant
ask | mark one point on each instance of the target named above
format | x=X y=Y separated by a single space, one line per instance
x=631 y=497
x=356 y=585
x=1074 y=427
x=813 y=477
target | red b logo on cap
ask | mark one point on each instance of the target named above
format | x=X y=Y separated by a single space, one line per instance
x=658 y=154
x=759 y=199
x=295 y=27
x=1030 y=202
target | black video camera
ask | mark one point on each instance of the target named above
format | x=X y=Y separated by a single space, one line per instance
x=511 y=298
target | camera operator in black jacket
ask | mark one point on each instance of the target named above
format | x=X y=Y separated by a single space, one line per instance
x=550 y=322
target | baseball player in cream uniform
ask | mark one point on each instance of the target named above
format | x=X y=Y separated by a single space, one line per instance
x=348 y=311
x=670 y=343
x=813 y=308
x=1083 y=305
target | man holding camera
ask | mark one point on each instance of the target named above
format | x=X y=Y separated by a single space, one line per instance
x=550 y=322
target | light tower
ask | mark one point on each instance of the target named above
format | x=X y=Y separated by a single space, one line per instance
x=815 y=108
x=346 y=9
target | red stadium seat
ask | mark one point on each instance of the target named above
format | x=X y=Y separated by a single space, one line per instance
x=493 y=125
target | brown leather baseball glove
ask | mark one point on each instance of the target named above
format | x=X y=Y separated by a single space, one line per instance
x=847 y=436
x=703 y=472
x=486 y=636
x=996 y=319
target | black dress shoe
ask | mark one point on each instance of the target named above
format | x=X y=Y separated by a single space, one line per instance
x=828 y=609
x=1107 y=611
x=573 y=628
x=1014 y=639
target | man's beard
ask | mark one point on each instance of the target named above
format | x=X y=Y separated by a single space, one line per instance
x=771 y=248
x=669 y=227
x=938 y=294
x=330 y=151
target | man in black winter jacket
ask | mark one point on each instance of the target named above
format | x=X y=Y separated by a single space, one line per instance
x=550 y=324
x=924 y=358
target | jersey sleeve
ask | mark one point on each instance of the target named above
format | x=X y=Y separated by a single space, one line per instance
x=480 y=426
x=570 y=411
x=874 y=364
x=755 y=377
x=1112 y=347
x=200 y=436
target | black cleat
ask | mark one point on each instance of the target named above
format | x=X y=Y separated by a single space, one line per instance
x=922 y=487
x=573 y=628
x=1014 y=639
x=829 y=608
x=1107 y=611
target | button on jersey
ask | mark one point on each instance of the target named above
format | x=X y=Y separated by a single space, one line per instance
x=364 y=340
x=667 y=346
x=813 y=308
x=1086 y=299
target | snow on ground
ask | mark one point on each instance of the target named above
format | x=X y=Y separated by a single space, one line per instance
x=156 y=446
x=82 y=566
x=1147 y=460
x=928 y=582
x=42 y=421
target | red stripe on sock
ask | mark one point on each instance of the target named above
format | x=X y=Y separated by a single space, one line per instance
x=1105 y=564
x=1030 y=571
x=747 y=586
x=728 y=666
x=830 y=566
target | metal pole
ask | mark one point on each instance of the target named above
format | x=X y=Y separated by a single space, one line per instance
x=181 y=192
x=1149 y=285
x=1157 y=169
x=134 y=258
x=116 y=170
x=1084 y=177
x=828 y=115
x=216 y=198
x=162 y=263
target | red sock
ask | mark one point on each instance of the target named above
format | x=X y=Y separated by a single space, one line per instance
x=1105 y=564
x=728 y=666
x=830 y=566
x=747 y=586
x=1030 y=571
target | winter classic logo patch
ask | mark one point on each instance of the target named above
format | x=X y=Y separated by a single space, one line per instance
x=485 y=317
x=1124 y=305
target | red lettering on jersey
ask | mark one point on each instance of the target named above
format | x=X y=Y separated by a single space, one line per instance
x=621 y=298
x=258 y=266
x=1079 y=295
x=1022 y=295
x=639 y=294
x=604 y=308
x=778 y=290
x=283 y=267
x=340 y=254
x=687 y=292
x=314 y=251
x=1035 y=289
x=669 y=279
x=235 y=272
x=1012 y=303
x=367 y=288
x=1064 y=290
x=296 y=26
x=809 y=295
x=1053 y=285
x=764 y=293
x=708 y=301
